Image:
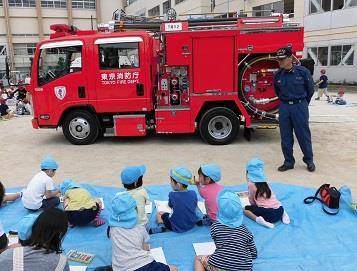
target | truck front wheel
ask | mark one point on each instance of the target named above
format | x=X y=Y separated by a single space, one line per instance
x=219 y=126
x=80 y=127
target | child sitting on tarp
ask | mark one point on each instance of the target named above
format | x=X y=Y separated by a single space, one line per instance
x=81 y=208
x=4 y=198
x=340 y=99
x=41 y=191
x=42 y=250
x=235 y=247
x=132 y=179
x=207 y=185
x=130 y=248
x=265 y=209
x=182 y=201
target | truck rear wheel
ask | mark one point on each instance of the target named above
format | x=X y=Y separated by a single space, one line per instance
x=80 y=127
x=219 y=126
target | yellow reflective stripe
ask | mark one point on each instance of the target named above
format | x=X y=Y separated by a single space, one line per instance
x=180 y=176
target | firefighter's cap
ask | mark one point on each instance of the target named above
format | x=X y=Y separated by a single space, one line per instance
x=255 y=171
x=230 y=212
x=131 y=174
x=124 y=214
x=181 y=175
x=284 y=52
x=212 y=171
x=48 y=163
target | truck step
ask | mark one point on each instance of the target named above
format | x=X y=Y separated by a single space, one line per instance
x=264 y=124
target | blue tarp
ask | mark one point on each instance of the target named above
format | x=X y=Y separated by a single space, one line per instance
x=313 y=240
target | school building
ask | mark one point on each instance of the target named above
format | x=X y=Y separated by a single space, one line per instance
x=25 y=22
x=330 y=25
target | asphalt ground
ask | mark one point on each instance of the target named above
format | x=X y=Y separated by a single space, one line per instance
x=334 y=136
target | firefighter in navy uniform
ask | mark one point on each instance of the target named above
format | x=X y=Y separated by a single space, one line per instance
x=294 y=86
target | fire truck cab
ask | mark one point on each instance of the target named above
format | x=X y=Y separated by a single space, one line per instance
x=209 y=76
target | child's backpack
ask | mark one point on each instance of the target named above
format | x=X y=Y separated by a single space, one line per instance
x=330 y=197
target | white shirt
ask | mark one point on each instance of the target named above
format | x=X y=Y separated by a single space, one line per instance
x=128 y=253
x=36 y=189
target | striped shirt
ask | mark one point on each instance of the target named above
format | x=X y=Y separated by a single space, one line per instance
x=235 y=248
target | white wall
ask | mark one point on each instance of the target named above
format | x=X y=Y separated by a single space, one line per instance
x=338 y=27
x=333 y=19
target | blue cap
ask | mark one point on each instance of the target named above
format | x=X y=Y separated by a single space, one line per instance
x=68 y=184
x=181 y=175
x=230 y=212
x=212 y=171
x=131 y=174
x=48 y=163
x=255 y=171
x=124 y=214
x=25 y=226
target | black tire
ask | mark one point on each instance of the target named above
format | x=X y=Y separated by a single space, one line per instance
x=219 y=126
x=80 y=127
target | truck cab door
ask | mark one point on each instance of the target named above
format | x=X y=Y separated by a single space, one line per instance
x=60 y=81
x=121 y=74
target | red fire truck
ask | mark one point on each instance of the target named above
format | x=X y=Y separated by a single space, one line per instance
x=206 y=75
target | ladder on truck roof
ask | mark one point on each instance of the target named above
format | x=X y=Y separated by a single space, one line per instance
x=123 y=22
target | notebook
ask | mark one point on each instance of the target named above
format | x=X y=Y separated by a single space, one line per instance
x=206 y=248
x=158 y=255
x=162 y=206
x=244 y=198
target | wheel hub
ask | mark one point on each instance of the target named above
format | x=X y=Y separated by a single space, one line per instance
x=220 y=127
x=79 y=128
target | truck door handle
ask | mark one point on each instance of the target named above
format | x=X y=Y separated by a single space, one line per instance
x=140 y=89
x=81 y=92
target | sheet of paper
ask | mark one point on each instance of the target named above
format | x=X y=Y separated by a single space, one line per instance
x=148 y=208
x=158 y=255
x=77 y=268
x=244 y=198
x=102 y=201
x=206 y=248
x=162 y=206
x=202 y=207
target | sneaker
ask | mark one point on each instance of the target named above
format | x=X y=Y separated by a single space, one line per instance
x=284 y=167
x=311 y=167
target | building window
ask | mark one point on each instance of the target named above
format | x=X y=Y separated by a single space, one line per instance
x=341 y=55
x=54 y=4
x=3 y=50
x=0 y=3
x=338 y=4
x=179 y=1
x=22 y=3
x=166 y=6
x=24 y=49
x=130 y=1
x=83 y=4
x=58 y=62
x=25 y=35
x=317 y=6
x=284 y=7
x=155 y=11
x=319 y=55
x=119 y=56
x=352 y=3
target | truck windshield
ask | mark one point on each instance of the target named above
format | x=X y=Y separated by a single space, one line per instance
x=58 y=62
